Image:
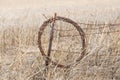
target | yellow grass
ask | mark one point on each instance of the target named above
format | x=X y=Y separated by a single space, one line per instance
x=20 y=58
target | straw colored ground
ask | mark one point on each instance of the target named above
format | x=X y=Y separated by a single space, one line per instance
x=20 y=58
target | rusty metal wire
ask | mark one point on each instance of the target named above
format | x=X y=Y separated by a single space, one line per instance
x=109 y=24
x=78 y=28
x=117 y=31
x=64 y=51
x=81 y=33
x=101 y=26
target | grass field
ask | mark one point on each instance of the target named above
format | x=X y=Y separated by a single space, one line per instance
x=20 y=58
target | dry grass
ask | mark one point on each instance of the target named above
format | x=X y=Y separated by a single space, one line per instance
x=20 y=58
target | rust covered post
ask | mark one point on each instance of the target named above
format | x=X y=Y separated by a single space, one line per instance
x=50 y=41
x=47 y=61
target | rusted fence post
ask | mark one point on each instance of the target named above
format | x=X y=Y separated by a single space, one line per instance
x=49 y=49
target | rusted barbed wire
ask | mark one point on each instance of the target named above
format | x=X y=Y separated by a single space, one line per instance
x=81 y=33
x=94 y=24
x=91 y=33
x=78 y=28
x=64 y=51
x=104 y=25
x=92 y=28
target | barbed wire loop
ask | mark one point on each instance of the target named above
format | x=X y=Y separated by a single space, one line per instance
x=67 y=20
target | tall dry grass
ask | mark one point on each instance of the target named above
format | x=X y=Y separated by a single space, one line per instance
x=20 y=58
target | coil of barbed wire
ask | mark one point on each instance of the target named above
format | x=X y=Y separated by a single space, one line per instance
x=77 y=27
